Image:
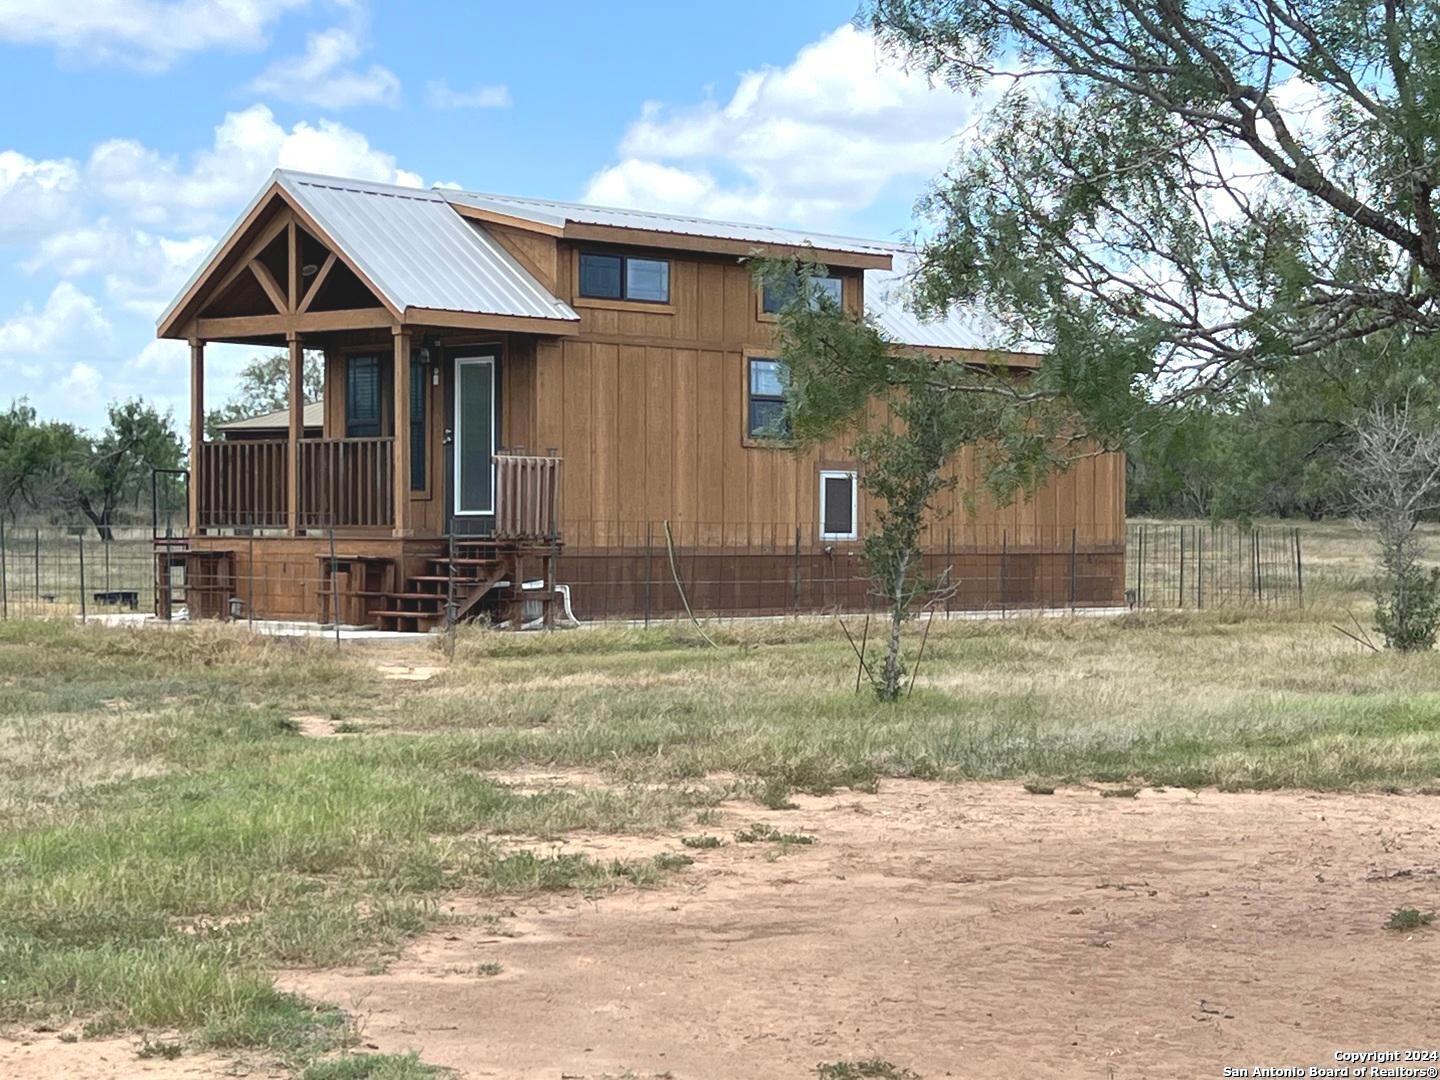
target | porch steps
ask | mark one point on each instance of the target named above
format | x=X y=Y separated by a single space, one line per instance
x=419 y=605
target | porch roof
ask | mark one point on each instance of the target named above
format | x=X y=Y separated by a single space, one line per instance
x=408 y=244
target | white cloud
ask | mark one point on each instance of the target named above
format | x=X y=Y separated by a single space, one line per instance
x=440 y=95
x=69 y=319
x=157 y=190
x=35 y=196
x=149 y=34
x=809 y=142
x=140 y=270
x=322 y=76
x=82 y=383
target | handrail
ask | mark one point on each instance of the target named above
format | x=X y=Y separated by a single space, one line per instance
x=527 y=497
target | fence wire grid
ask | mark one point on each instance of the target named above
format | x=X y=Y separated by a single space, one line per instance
x=634 y=571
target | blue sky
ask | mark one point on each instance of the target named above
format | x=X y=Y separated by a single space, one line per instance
x=135 y=131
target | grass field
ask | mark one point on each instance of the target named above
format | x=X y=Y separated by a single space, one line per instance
x=172 y=833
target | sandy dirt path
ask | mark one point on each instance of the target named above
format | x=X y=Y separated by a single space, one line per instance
x=967 y=931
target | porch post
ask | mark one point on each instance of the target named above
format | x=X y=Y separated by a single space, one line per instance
x=401 y=463
x=297 y=424
x=197 y=428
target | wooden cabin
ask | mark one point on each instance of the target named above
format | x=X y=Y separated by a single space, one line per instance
x=522 y=395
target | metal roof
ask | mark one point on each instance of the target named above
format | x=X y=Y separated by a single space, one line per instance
x=556 y=215
x=313 y=417
x=888 y=295
x=420 y=253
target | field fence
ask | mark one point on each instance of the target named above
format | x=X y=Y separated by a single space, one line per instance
x=1179 y=565
x=639 y=571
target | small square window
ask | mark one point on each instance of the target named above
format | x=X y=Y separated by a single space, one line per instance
x=601 y=276
x=767 y=418
x=647 y=279
x=837 y=505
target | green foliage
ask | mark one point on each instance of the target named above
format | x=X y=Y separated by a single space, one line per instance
x=1409 y=918
x=843 y=373
x=264 y=387
x=1186 y=202
x=50 y=466
x=1276 y=445
x=1407 y=609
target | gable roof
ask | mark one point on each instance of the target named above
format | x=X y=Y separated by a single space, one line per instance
x=408 y=244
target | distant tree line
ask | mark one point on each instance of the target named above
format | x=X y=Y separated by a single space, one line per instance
x=1280 y=443
x=51 y=470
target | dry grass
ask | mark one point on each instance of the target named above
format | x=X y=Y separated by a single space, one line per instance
x=168 y=837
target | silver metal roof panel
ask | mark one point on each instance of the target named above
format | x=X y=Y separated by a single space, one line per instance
x=419 y=252
x=556 y=214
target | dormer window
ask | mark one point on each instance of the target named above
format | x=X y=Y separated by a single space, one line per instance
x=624 y=277
x=774 y=297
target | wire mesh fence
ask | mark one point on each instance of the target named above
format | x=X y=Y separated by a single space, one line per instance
x=640 y=571
x=1200 y=565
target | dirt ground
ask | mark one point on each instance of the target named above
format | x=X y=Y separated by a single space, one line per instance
x=967 y=931
x=954 y=931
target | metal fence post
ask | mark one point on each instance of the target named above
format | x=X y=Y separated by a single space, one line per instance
x=83 y=616
x=1181 y=589
x=334 y=585
x=1074 y=544
x=1299 y=573
x=4 y=584
x=1004 y=572
x=950 y=578
x=649 y=552
x=37 y=564
x=1199 y=568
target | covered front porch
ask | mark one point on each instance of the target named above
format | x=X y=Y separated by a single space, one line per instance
x=422 y=433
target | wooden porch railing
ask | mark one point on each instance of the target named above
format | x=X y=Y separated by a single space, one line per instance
x=243 y=484
x=527 y=497
x=347 y=483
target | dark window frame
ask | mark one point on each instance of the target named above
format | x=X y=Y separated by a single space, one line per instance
x=419 y=415
x=624 y=293
x=765 y=311
x=364 y=428
x=752 y=432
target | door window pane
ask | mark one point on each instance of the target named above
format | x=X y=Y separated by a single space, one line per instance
x=474 y=436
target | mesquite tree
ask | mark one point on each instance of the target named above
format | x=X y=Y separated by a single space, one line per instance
x=1394 y=469
x=908 y=414
x=1170 y=197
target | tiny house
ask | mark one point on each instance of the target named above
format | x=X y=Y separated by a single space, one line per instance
x=523 y=394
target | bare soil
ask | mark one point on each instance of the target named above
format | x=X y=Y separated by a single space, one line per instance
x=971 y=930
x=966 y=931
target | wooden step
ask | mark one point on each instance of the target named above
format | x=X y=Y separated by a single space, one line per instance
x=413 y=596
x=444 y=560
x=418 y=615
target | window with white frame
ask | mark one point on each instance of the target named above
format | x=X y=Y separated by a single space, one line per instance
x=839 y=505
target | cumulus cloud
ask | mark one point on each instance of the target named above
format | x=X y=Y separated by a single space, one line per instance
x=808 y=142
x=35 y=196
x=114 y=235
x=68 y=319
x=160 y=190
x=149 y=34
x=440 y=95
x=322 y=75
